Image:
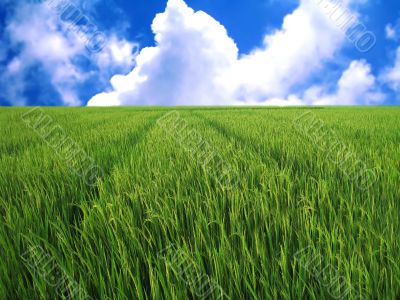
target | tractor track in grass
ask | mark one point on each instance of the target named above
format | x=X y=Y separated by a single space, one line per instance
x=240 y=140
x=274 y=158
x=135 y=137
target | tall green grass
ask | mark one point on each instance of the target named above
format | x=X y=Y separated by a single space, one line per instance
x=288 y=198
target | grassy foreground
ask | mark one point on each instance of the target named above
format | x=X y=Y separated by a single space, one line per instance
x=275 y=216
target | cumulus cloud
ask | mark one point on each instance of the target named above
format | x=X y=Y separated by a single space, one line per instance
x=306 y=40
x=192 y=51
x=42 y=35
x=196 y=62
x=390 y=32
x=12 y=81
x=42 y=42
x=357 y=85
x=391 y=75
x=116 y=52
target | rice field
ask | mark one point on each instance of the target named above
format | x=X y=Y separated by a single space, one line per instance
x=200 y=203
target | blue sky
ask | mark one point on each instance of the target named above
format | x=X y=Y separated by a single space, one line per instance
x=206 y=52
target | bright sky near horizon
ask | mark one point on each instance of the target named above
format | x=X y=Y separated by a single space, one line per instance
x=199 y=52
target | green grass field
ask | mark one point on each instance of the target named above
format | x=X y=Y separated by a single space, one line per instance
x=255 y=210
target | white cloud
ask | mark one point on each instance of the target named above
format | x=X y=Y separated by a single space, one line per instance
x=12 y=84
x=192 y=50
x=306 y=40
x=196 y=62
x=291 y=100
x=390 y=32
x=41 y=41
x=105 y=99
x=14 y=66
x=391 y=75
x=357 y=85
x=117 y=53
x=41 y=37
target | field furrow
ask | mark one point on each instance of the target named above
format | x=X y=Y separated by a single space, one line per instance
x=196 y=203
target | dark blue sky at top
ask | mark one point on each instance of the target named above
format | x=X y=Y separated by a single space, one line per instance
x=247 y=22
